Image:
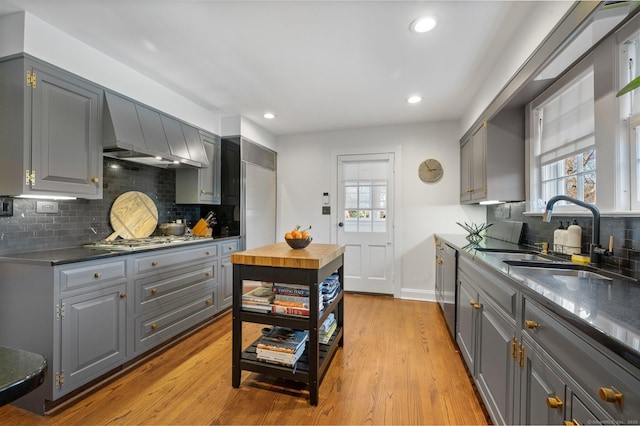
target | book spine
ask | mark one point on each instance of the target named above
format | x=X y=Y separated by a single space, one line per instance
x=304 y=292
x=291 y=304
x=290 y=310
x=290 y=298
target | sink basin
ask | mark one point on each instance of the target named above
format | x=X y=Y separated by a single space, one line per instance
x=557 y=269
x=514 y=255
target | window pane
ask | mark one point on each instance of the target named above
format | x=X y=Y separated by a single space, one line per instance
x=365 y=197
x=571 y=187
x=380 y=197
x=589 y=185
x=351 y=197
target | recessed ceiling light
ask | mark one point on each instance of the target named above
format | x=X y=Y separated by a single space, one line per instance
x=414 y=99
x=423 y=24
x=269 y=115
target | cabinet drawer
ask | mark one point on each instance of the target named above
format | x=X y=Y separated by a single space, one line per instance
x=152 y=293
x=592 y=369
x=158 y=327
x=96 y=275
x=228 y=247
x=165 y=259
x=497 y=287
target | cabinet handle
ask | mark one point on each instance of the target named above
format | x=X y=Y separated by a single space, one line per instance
x=154 y=326
x=438 y=261
x=611 y=395
x=97 y=275
x=208 y=302
x=202 y=191
x=573 y=422
x=154 y=290
x=224 y=265
x=531 y=324
x=207 y=253
x=95 y=180
x=475 y=304
x=154 y=263
x=521 y=356
x=123 y=295
x=514 y=347
x=208 y=274
x=469 y=190
x=554 y=402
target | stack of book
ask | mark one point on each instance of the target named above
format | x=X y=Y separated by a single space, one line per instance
x=282 y=346
x=292 y=299
x=258 y=299
x=329 y=289
x=327 y=329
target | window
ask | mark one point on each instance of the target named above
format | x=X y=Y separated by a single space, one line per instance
x=564 y=149
x=630 y=113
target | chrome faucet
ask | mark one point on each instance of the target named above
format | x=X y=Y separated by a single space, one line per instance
x=595 y=251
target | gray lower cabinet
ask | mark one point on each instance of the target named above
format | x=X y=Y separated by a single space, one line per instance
x=529 y=365
x=55 y=118
x=174 y=290
x=203 y=185
x=90 y=317
x=485 y=335
x=226 y=272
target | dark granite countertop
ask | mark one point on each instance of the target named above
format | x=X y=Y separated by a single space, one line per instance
x=607 y=311
x=20 y=373
x=82 y=254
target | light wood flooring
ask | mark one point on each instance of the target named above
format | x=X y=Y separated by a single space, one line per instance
x=398 y=366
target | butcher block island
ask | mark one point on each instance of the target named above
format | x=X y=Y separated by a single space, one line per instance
x=307 y=269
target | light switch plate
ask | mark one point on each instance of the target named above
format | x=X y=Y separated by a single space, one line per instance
x=326 y=209
x=46 y=207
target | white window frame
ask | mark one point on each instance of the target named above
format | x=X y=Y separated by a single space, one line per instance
x=536 y=203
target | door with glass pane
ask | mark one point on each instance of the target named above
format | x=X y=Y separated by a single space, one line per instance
x=365 y=221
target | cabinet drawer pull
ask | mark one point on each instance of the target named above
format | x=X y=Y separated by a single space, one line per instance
x=202 y=191
x=531 y=324
x=554 y=402
x=97 y=275
x=207 y=253
x=154 y=290
x=573 y=422
x=154 y=326
x=230 y=248
x=438 y=261
x=154 y=263
x=611 y=395
x=208 y=274
x=475 y=304
x=208 y=302
x=123 y=295
x=224 y=265
x=95 y=180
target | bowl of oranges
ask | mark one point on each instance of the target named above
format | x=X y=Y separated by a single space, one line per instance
x=298 y=238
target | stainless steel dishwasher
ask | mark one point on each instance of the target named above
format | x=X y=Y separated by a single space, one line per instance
x=447 y=267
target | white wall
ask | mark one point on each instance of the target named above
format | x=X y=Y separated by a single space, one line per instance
x=305 y=167
x=237 y=125
x=48 y=43
x=543 y=16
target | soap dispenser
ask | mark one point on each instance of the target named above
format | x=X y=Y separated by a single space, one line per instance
x=559 y=239
x=574 y=238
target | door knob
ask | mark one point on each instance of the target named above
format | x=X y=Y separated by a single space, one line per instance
x=340 y=224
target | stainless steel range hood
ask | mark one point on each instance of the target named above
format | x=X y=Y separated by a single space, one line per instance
x=134 y=132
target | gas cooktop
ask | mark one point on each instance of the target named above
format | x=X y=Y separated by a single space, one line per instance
x=145 y=243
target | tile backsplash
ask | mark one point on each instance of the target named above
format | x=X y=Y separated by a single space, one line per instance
x=82 y=221
x=625 y=231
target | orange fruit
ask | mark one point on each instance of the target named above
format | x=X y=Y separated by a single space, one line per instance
x=304 y=235
x=288 y=236
x=295 y=234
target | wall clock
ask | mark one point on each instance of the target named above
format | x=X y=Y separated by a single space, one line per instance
x=430 y=170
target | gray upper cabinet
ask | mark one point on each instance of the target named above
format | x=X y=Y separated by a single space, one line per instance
x=492 y=160
x=201 y=186
x=50 y=123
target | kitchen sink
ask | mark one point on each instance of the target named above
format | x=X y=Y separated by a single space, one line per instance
x=514 y=255
x=557 y=269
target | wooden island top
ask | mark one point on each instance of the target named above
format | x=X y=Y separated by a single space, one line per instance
x=280 y=255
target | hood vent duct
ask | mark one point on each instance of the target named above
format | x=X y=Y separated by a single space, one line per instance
x=137 y=133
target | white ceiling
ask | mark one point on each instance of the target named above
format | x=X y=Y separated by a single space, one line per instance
x=318 y=65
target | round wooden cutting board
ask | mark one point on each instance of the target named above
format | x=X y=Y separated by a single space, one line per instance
x=133 y=215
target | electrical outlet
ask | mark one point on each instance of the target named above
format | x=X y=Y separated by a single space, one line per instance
x=6 y=206
x=46 y=207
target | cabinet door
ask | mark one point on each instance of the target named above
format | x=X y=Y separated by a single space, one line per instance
x=226 y=282
x=66 y=152
x=467 y=323
x=92 y=336
x=465 y=172
x=542 y=392
x=495 y=365
x=479 y=163
x=209 y=177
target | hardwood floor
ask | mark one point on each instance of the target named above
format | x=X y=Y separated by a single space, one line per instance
x=398 y=366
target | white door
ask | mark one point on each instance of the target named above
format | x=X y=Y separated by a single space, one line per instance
x=365 y=221
x=260 y=202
